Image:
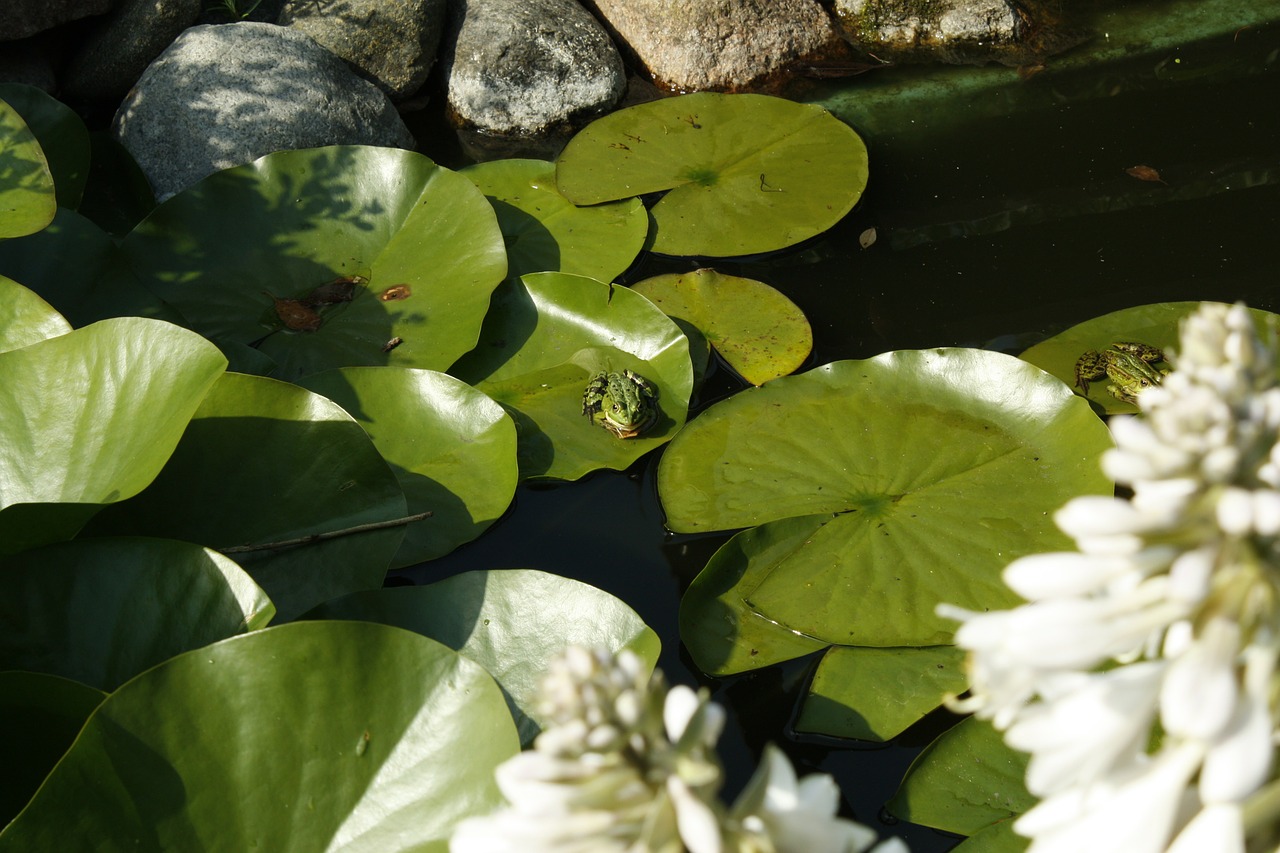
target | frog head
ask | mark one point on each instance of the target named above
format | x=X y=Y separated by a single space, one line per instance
x=624 y=403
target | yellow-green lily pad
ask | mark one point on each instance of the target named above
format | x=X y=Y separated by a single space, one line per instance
x=760 y=332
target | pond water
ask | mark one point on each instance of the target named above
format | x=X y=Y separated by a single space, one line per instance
x=1003 y=215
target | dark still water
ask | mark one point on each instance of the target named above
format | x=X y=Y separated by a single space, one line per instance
x=1003 y=214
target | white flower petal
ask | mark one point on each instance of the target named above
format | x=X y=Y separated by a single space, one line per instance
x=1216 y=829
x=1199 y=696
x=699 y=826
x=1240 y=762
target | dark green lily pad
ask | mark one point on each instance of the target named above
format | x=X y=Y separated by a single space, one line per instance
x=880 y=488
x=546 y=336
x=77 y=268
x=997 y=838
x=117 y=195
x=266 y=462
x=62 y=136
x=965 y=781
x=545 y=232
x=25 y=318
x=27 y=200
x=511 y=622
x=312 y=736
x=1157 y=325
x=418 y=244
x=48 y=712
x=451 y=447
x=744 y=173
x=101 y=611
x=760 y=332
x=89 y=418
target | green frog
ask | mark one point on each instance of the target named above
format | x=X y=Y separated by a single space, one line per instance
x=1130 y=365
x=624 y=403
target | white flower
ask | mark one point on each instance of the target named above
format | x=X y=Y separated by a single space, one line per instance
x=626 y=765
x=1140 y=673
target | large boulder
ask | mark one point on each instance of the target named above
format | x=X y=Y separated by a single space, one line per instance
x=113 y=57
x=22 y=18
x=220 y=96
x=957 y=31
x=528 y=67
x=391 y=42
x=721 y=44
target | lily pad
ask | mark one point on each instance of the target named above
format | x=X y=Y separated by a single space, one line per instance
x=760 y=332
x=910 y=680
x=27 y=200
x=25 y=318
x=263 y=463
x=420 y=244
x=1156 y=324
x=62 y=136
x=963 y=782
x=89 y=418
x=744 y=173
x=101 y=611
x=878 y=488
x=77 y=268
x=545 y=232
x=545 y=338
x=312 y=736
x=511 y=622
x=452 y=449
x=48 y=711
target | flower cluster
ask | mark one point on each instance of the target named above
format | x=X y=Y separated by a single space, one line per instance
x=1141 y=674
x=627 y=765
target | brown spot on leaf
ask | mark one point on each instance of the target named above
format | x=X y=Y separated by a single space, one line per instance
x=295 y=314
x=395 y=293
x=341 y=289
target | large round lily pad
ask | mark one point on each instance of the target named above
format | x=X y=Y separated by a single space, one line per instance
x=743 y=173
x=328 y=257
x=1156 y=325
x=312 y=736
x=89 y=418
x=101 y=610
x=878 y=489
x=512 y=622
x=451 y=447
x=264 y=463
x=27 y=201
x=546 y=337
x=545 y=232
x=760 y=332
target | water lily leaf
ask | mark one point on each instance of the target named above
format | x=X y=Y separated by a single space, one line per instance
x=758 y=331
x=267 y=462
x=545 y=338
x=546 y=232
x=511 y=622
x=62 y=135
x=745 y=173
x=453 y=449
x=44 y=713
x=996 y=838
x=912 y=682
x=27 y=201
x=963 y=782
x=101 y=611
x=423 y=239
x=882 y=488
x=25 y=318
x=117 y=195
x=1156 y=324
x=312 y=736
x=89 y=418
x=77 y=268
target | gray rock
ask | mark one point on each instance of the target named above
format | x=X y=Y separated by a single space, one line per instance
x=391 y=42
x=220 y=96
x=22 y=18
x=527 y=67
x=961 y=31
x=114 y=56
x=720 y=44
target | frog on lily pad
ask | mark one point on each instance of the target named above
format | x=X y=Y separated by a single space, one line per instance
x=624 y=403
x=1130 y=365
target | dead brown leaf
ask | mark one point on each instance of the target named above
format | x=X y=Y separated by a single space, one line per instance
x=1146 y=173
x=342 y=289
x=295 y=314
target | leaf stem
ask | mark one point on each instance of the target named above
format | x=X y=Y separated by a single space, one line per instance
x=328 y=534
